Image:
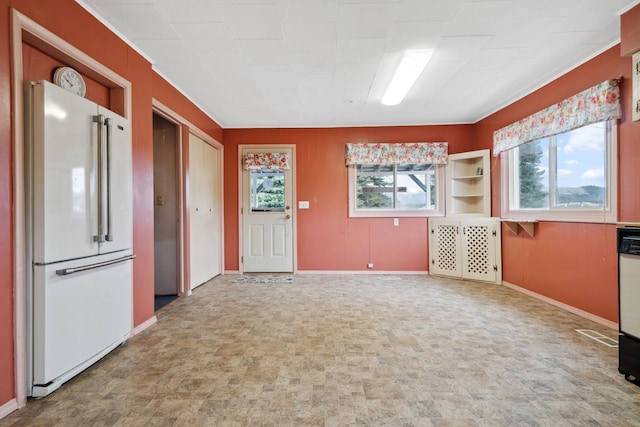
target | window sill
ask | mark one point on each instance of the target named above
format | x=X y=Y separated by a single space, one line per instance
x=394 y=214
x=561 y=215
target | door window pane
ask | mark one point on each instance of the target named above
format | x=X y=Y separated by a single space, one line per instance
x=267 y=191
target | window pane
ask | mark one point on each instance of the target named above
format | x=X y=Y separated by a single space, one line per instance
x=402 y=190
x=267 y=191
x=399 y=187
x=416 y=186
x=581 y=167
x=533 y=175
x=566 y=176
x=374 y=187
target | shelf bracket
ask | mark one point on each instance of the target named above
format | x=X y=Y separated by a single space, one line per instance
x=528 y=225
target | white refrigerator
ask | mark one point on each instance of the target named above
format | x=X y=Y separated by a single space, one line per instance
x=78 y=234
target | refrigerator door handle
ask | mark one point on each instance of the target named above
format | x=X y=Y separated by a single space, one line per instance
x=108 y=123
x=99 y=119
x=68 y=271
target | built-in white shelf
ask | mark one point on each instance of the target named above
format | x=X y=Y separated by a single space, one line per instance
x=468 y=184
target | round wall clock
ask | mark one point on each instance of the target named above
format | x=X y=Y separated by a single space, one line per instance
x=71 y=80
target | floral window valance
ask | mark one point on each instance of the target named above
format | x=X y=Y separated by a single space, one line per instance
x=596 y=104
x=266 y=161
x=399 y=153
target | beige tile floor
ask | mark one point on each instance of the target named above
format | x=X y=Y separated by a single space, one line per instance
x=350 y=350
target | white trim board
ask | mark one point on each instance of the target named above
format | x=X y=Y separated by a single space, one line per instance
x=365 y=272
x=144 y=325
x=8 y=408
x=566 y=307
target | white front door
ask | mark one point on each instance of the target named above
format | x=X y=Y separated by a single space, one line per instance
x=267 y=217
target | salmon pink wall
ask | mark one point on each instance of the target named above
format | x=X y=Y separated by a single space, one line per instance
x=327 y=238
x=573 y=263
x=630 y=31
x=77 y=27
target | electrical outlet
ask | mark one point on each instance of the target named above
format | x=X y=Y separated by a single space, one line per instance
x=396 y=222
x=370 y=265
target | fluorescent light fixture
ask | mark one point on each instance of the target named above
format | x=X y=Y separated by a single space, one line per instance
x=412 y=64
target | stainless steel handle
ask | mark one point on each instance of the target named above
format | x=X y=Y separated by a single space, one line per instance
x=108 y=123
x=68 y=271
x=100 y=120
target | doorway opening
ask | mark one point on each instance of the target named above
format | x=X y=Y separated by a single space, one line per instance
x=166 y=210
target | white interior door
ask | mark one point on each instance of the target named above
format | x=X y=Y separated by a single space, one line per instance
x=204 y=210
x=267 y=217
x=213 y=210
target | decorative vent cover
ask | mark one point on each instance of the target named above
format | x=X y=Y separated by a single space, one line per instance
x=447 y=236
x=477 y=249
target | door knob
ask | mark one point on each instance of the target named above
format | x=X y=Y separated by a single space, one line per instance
x=287 y=216
x=287 y=207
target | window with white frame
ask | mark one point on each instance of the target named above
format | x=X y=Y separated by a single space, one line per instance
x=400 y=189
x=568 y=175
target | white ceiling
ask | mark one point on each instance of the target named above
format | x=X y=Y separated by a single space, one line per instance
x=325 y=63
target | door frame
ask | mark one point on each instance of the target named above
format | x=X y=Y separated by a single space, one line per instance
x=184 y=240
x=294 y=210
x=177 y=147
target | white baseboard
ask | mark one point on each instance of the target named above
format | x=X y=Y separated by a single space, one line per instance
x=425 y=272
x=566 y=307
x=374 y=272
x=144 y=325
x=8 y=408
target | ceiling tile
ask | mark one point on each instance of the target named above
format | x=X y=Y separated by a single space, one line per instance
x=311 y=37
x=359 y=21
x=308 y=10
x=414 y=35
x=166 y=51
x=253 y=21
x=206 y=37
x=264 y=51
x=517 y=31
x=434 y=10
x=467 y=23
x=194 y=11
x=458 y=48
x=363 y=51
x=313 y=63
